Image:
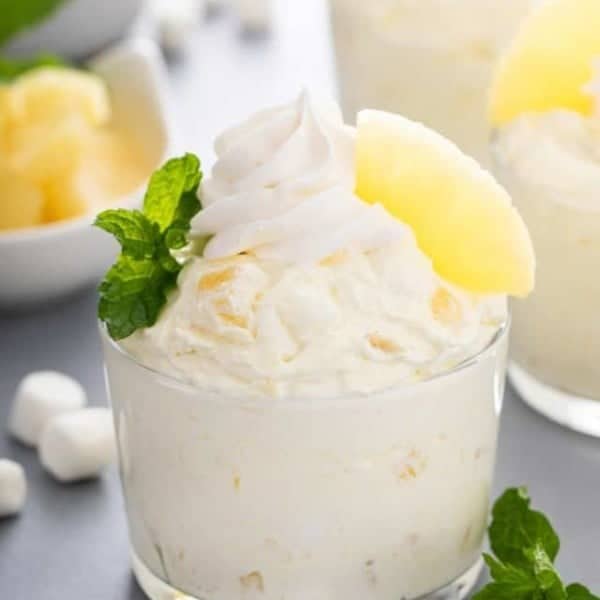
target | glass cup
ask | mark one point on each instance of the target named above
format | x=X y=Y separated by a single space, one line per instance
x=555 y=339
x=375 y=497
x=427 y=59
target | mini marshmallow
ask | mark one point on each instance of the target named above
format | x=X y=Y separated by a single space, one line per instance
x=40 y=396
x=254 y=15
x=13 y=488
x=176 y=20
x=78 y=445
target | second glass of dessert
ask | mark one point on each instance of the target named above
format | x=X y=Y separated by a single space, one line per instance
x=306 y=396
x=546 y=110
x=431 y=60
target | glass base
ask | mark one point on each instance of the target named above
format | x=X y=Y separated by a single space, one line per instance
x=576 y=412
x=157 y=589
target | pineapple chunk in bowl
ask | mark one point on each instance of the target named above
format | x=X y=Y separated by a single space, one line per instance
x=43 y=263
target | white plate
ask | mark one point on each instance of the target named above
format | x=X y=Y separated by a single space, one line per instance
x=41 y=264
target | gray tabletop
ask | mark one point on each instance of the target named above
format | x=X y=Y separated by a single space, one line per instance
x=70 y=543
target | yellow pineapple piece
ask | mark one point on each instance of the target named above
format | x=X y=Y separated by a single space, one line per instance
x=445 y=307
x=462 y=219
x=105 y=170
x=382 y=343
x=65 y=199
x=215 y=279
x=51 y=93
x=21 y=202
x=114 y=165
x=49 y=149
x=549 y=61
x=4 y=121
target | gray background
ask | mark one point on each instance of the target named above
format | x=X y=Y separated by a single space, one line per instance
x=70 y=543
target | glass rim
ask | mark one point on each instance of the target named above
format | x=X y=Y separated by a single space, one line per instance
x=499 y=335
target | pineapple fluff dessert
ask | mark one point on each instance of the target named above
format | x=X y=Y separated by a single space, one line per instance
x=431 y=60
x=314 y=412
x=60 y=154
x=545 y=106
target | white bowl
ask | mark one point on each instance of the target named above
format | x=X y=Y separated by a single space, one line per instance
x=43 y=263
x=78 y=28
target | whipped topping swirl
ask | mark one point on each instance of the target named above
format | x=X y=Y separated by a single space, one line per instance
x=282 y=188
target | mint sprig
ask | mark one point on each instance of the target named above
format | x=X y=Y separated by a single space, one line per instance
x=525 y=547
x=576 y=591
x=516 y=527
x=136 y=287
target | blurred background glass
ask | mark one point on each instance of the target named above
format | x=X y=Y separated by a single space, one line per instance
x=431 y=60
x=555 y=338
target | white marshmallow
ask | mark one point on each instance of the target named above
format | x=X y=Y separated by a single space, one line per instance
x=78 y=445
x=254 y=15
x=176 y=19
x=40 y=396
x=13 y=487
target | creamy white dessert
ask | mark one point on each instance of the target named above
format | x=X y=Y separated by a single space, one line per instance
x=545 y=106
x=550 y=163
x=372 y=496
x=314 y=414
x=431 y=60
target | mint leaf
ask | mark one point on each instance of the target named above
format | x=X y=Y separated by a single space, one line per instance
x=9 y=69
x=516 y=527
x=138 y=236
x=132 y=294
x=176 y=233
x=546 y=575
x=135 y=289
x=525 y=545
x=510 y=583
x=539 y=582
x=504 y=591
x=576 y=591
x=171 y=200
x=17 y=15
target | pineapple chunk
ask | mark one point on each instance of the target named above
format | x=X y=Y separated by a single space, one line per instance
x=462 y=219
x=65 y=199
x=549 y=62
x=21 y=202
x=46 y=150
x=4 y=121
x=115 y=164
x=49 y=93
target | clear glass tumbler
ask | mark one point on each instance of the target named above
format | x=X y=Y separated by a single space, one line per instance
x=555 y=339
x=376 y=497
x=431 y=60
